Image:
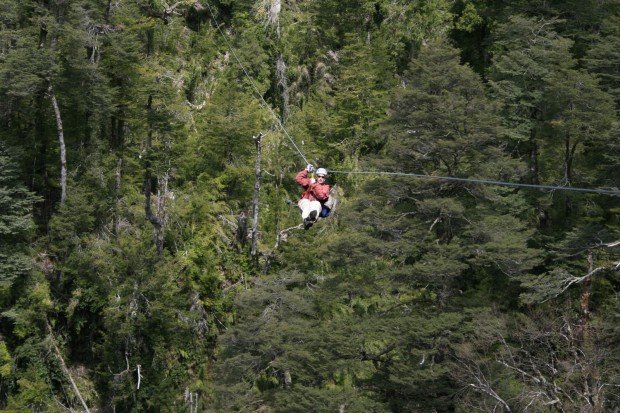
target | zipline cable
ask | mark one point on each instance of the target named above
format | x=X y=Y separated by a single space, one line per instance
x=486 y=182
x=260 y=96
x=421 y=176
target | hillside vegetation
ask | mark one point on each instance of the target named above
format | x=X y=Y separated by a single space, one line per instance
x=131 y=277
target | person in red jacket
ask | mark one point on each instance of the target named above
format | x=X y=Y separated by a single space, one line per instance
x=316 y=193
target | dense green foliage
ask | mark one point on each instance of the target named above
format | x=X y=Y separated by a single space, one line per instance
x=138 y=291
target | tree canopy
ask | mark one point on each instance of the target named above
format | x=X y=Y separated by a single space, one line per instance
x=135 y=277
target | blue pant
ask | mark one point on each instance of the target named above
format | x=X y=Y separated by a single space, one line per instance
x=324 y=212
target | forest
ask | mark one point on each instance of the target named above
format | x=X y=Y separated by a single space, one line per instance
x=153 y=257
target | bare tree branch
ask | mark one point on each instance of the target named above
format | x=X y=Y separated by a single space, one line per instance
x=64 y=365
x=566 y=283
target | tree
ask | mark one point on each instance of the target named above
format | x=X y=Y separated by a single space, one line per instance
x=580 y=115
x=602 y=59
x=136 y=289
x=16 y=226
x=526 y=55
x=367 y=310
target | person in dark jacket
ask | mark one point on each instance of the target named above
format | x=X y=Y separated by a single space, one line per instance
x=316 y=193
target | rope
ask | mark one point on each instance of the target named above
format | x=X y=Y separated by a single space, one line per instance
x=486 y=182
x=260 y=96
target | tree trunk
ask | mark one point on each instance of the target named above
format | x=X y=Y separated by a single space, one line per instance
x=569 y=155
x=117 y=193
x=567 y=160
x=148 y=186
x=42 y=36
x=534 y=160
x=242 y=229
x=586 y=287
x=162 y=195
x=64 y=366
x=61 y=142
x=155 y=220
x=584 y=302
x=567 y=174
x=41 y=145
x=283 y=85
x=117 y=124
x=106 y=14
x=288 y=381
x=255 y=200
x=277 y=207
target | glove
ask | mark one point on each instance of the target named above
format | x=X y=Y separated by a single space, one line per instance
x=309 y=168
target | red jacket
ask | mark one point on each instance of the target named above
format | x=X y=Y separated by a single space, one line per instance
x=313 y=191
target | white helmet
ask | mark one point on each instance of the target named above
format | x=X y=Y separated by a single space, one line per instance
x=321 y=172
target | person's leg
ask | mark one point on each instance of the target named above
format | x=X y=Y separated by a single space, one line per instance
x=315 y=210
x=325 y=212
x=304 y=206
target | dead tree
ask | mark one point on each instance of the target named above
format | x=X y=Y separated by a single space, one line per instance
x=56 y=107
x=586 y=284
x=474 y=379
x=64 y=366
x=566 y=279
x=61 y=142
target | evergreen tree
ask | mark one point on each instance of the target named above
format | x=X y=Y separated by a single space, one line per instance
x=17 y=225
x=16 y=232
x=131 y=286
x=526 y=55
x=379 y=320
x=602 y=59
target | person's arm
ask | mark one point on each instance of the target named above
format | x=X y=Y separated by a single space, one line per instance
x=302 y=179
